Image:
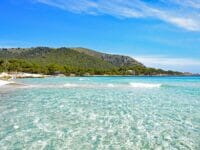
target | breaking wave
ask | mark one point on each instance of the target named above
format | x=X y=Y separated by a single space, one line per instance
x=145 y=85
x=105 y=85
x=128 y=85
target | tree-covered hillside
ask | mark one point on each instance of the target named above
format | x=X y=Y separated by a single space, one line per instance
x=68 y=61
x=116 y=60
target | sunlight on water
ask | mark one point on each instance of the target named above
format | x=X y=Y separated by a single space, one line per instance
x=101 y=113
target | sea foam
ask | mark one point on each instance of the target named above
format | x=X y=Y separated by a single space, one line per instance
x=144 y=85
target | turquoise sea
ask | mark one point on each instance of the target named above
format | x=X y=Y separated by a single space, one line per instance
x=89 y=113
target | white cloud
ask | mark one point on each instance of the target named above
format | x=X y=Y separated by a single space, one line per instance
x=187 y=23
x=165 y=62
x=182 y=13
x=5 y=46
x=188 y=3
x=71 y=5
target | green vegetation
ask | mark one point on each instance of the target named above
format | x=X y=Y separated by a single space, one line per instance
x=68 y=61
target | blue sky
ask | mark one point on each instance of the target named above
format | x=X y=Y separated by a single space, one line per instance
x=160 y=33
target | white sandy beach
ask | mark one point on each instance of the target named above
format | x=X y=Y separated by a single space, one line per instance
x=2 y=82
x=15 y=75
x=7 y=78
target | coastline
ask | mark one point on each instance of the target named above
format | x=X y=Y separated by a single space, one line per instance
x=3 y=82
x=9 y=78
x=6 y=76
x=15 y=75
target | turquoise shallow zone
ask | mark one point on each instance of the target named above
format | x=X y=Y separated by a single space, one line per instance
x=84 y=113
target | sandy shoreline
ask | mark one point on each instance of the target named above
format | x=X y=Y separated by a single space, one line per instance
x=3 y=82
x=7 y=78
x=15 y=75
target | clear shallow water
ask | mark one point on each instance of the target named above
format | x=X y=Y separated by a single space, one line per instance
x=101 y=113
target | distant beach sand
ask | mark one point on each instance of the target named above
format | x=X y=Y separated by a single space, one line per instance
x=7 y=78
x=2 y=82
